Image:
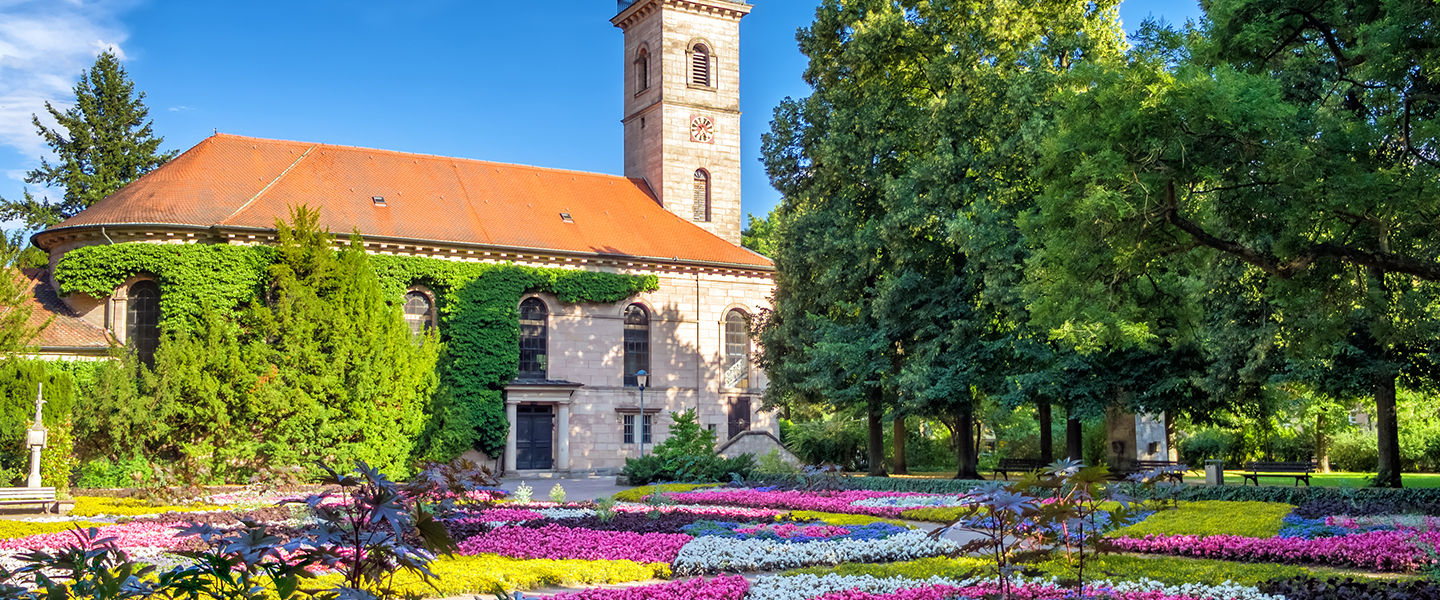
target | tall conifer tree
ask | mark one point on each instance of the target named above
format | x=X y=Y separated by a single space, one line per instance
x=102 y=143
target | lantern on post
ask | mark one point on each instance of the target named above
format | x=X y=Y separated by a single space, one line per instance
x=35 y=439
x=642 y=379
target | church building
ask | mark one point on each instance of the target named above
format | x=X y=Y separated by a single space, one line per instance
x=675 y=213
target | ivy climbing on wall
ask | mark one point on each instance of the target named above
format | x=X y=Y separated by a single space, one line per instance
x=477 y=302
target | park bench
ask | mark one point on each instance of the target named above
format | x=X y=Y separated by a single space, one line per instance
x=1298 y=470
x=1018 y=465
x=43 y=496
x=1140 y=466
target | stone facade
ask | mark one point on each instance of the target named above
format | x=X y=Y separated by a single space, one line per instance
x=659 y=110
x=584 y=391
x=687 y=344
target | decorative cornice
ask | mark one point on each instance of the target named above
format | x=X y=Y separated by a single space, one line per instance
x=644 y=8
x=442 y=249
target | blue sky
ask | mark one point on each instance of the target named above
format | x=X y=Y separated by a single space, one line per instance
x=519 y=82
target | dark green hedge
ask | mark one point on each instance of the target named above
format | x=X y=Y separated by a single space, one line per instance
x=905 y=484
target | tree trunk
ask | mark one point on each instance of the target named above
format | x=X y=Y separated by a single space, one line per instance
x=1387 y=428
x=876 y=448
x=1073 y=448
x=1322 y=453
x=899 y=443
x=1047 y=440
x=965 y=450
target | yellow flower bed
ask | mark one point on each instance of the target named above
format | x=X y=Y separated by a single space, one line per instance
x=638 y=494
x=1214 y=517
x=89 y=506
x=842 y=519
x=10 y=530
x=934 y=515
x=489 y=573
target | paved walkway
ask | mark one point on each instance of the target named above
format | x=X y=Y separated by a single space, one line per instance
x=577 y=489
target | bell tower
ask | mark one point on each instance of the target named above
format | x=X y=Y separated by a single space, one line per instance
x=682 y=106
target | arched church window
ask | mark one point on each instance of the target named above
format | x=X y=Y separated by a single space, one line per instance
x=533 y=320
x=142 y=320
x=637 y=342
x=642 y=70
x=419 y=312
x=737 y=349
x=700 y=65
x=702 y=195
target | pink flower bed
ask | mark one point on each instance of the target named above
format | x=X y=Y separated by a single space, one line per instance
x=137 y=534
x=722 y=513
x=1390 y=551
x=991 y=590
x=557 y=542
x=724 y=587
x=835 y=502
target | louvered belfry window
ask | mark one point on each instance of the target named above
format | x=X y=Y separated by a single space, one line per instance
x=702 y=195
x=700 y=65
x=642 y=70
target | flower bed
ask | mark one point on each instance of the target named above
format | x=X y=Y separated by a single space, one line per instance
x=834 y=586
x=723 y=587
x=791 y=532
x=1386 y=551
x=136 y=534
x=834 y=502
x=559 y=542
x=717 y=554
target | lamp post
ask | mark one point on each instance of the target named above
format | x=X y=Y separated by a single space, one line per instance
x=642 y=379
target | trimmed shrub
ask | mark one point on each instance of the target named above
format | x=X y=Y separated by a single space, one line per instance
x=901 y=484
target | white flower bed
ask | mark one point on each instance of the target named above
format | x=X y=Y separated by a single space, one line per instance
x=715 y=554
x=564 y=513
x=807 y=586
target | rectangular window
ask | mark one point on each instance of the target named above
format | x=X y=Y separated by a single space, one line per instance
x=645 y=430
x=629 y=429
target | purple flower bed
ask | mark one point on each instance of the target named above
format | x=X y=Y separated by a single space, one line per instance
x=835 y=502
x=557 y=542
x=1390 y=551
x=672 y=522
x=724 y=587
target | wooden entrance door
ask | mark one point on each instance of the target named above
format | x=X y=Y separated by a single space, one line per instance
x=739 y=415
x=533 y=428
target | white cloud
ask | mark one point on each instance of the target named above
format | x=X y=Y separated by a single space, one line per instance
x=44 y=46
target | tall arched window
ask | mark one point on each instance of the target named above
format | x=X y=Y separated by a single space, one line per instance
x=700 y=66
x=702 y=195
x=637 y=342
x=142 y=320
x=737 y=349
x=533 y=319
x=419 y=312
x=642 y=70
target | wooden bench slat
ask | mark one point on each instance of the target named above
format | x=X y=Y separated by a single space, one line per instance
x=1299 y=470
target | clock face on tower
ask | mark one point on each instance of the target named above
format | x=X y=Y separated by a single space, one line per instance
x=702 y=129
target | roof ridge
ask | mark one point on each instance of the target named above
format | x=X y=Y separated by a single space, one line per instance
x=424 y=155
x=267 y=186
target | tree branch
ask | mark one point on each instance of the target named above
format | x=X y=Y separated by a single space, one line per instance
x=1273 y=266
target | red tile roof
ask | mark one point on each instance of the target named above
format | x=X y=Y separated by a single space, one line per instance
x=234 y=181
x=66 y=330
